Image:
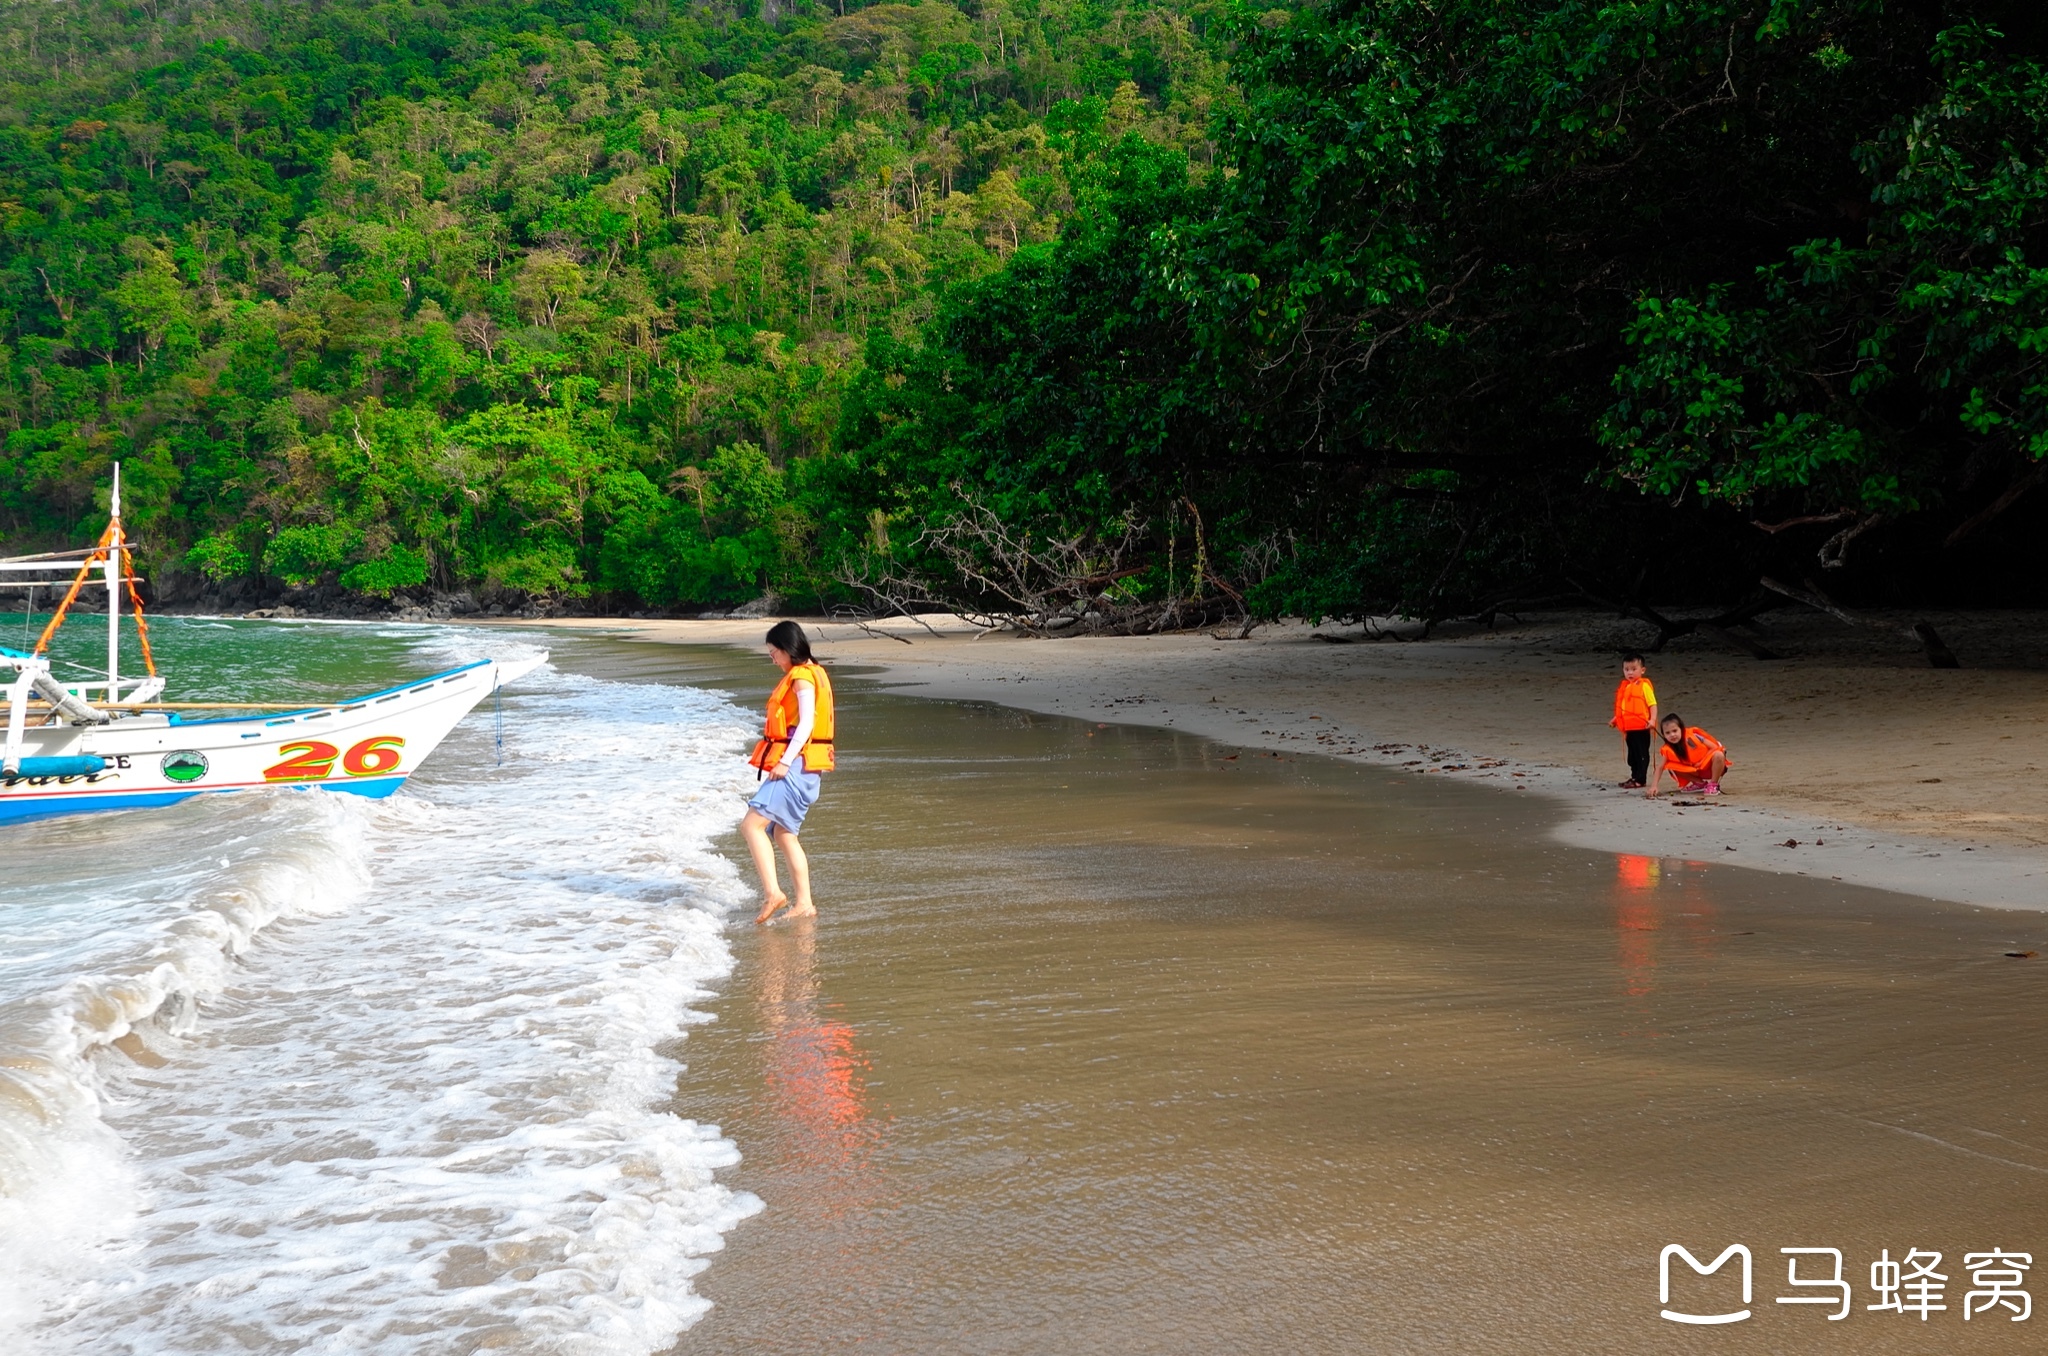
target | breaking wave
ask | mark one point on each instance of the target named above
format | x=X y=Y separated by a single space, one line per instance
x=299 y=1072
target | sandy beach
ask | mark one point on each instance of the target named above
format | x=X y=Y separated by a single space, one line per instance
x=1111 y=1038
x=1882 y=770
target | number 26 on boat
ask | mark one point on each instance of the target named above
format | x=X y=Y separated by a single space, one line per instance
x=312 y=760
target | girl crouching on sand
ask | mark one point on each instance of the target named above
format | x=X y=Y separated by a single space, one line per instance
x=794 y=749
x=1695 y=759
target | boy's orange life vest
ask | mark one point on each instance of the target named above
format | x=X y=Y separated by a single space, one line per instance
x=1695 y=761
x=782 y=718
x=1632 y=702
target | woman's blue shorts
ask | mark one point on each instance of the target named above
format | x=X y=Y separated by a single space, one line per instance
x=785 y=801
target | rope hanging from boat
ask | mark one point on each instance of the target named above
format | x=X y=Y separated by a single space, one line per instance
x=99 y=553
x=141 y=626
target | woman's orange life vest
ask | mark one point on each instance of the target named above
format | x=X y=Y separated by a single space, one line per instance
x=782 y=718
x=1695 y=761
x=1632 y=702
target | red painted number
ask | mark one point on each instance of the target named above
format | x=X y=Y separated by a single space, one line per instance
x=309 y=760
x=373 y=756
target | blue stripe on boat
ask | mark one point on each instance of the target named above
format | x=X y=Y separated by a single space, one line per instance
x=24 y=808
x=352 y=701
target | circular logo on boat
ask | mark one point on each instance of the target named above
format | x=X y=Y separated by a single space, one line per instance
x=184 y=767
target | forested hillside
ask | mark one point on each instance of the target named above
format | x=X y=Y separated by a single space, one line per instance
x=554 y=298
x=1156 y=311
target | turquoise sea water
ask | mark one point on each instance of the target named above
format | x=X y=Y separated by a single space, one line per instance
x=297 y=1072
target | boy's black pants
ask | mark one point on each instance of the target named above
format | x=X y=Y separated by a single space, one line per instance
x=1638 y=754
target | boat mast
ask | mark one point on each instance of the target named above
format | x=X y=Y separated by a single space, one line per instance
x=114 y=556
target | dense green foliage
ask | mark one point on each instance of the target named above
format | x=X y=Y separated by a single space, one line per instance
x=1484 y=273
x=556 y=297
x=1858 y=373
x=1331 y=308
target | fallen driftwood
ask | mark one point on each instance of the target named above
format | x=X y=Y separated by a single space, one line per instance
x=1755 y=649
x=1938 y=654
x=1721 y=627
x=1488 y=613
x=1812 y=597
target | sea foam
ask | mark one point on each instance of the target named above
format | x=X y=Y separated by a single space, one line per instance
x=431 y=1105
x=157 y=944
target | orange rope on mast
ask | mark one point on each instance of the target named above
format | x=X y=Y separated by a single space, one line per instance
x=99 y=553
x=141 y=626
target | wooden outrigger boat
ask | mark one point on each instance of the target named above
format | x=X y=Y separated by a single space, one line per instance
x=73 y=748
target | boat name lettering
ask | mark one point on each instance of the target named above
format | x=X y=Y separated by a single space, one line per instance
x=87 y=778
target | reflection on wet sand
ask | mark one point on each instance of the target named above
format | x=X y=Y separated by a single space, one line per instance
x=815 y=1075
x=1104 y=1042
x=1636 y=922
x=1653 y=899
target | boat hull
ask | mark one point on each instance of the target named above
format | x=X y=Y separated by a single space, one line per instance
x=364 y=747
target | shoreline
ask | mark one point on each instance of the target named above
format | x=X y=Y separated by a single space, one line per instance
x=1470 y=708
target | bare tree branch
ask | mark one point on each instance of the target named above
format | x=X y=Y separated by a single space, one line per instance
x=1001 y=577
x=1805 y=521
x=1834 y=551
x=2027 y=480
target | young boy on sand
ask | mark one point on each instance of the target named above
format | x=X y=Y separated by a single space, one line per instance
x=1635 y=715
x=1695 y=759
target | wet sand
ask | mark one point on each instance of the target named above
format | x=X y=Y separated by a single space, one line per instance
x=1112 y=1039
x=1882 y=770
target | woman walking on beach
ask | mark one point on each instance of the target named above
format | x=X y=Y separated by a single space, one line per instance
x=794 y=749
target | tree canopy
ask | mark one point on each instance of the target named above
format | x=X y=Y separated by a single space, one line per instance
x=1540 y=297
x=1326 y=308
x=553 y=297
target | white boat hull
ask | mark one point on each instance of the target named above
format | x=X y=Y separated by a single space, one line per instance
x=365 y=747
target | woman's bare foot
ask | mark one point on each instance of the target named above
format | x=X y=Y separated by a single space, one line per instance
x=804 y=911
x=777 y=900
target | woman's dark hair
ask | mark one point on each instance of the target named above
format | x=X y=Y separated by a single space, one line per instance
x=789 y=638
x=1664 y=720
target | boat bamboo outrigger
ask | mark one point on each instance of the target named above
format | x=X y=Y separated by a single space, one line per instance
x=76 y=747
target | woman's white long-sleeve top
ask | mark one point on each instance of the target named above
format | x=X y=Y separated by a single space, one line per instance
x=806 y=717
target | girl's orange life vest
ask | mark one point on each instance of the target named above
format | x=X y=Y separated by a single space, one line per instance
x=1696 y=761
x=782 y=718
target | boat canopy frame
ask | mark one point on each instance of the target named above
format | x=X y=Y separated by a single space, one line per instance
x=94 y=701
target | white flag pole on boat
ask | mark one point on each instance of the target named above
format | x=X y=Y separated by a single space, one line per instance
x=115 y=553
